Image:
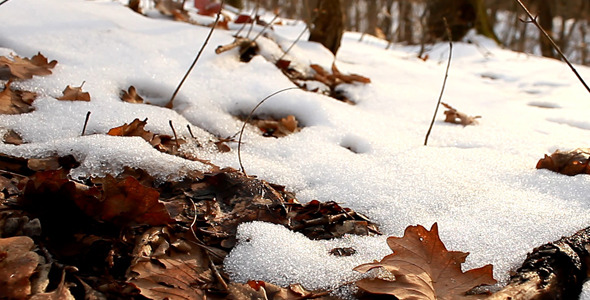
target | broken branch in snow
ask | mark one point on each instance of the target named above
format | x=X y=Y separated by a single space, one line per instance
x=555 y=270
x=85 y=123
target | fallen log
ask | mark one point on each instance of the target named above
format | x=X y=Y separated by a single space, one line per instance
x=555 y=270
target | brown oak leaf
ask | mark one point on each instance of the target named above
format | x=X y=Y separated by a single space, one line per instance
x=457 y=117
x=131 y=95
x=25 y=68
x=570 y=163
x=15 y=102
x=17 y=264
x=424 y=269
x=74 y=94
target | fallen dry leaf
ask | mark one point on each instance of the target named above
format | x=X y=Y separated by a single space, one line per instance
x=172 y=9
x=131 y=95
x=126 y=201
x=17 y=264
x=15 y=102
x=424 y=269
x=25 y=68
x=12 y=137
x=570 y=163
x=277 y=128
x=74 y=94
x=62 y=292
x=163 y=143
x=457 y=117
x=173 y=275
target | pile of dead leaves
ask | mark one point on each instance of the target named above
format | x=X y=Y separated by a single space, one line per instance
x=131 y=237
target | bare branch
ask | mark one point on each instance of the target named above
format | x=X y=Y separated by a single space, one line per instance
x=444 y=81
x=534 y=21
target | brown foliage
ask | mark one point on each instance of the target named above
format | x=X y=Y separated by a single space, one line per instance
x=131 y=95
x=163 y=143
x=424 y=269
x=15 y=102
x=277 y=128
x=25 y=68
x=167 y=267
x=570 y=163
x=17 y=264
x=74 y=94
x=127 y=201
x=456 y=117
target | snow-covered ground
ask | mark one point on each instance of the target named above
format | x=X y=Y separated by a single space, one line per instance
x=478 y=182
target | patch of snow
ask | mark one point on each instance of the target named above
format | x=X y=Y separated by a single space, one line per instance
x=478 y=182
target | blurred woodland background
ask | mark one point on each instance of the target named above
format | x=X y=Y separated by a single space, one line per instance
x=420 y=22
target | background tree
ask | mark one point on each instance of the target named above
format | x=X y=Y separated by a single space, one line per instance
x=327 y=26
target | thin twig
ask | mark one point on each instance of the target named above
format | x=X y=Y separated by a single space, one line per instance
x=171 y=102
x=294 y=42
x=555 y=46
x=174 y=132
x=248 y=120
x=200 y=243
x=254 y=19
x=444 y=81
x=85 y=123
x=3 y=2
x=265 y=27
x=190 y=130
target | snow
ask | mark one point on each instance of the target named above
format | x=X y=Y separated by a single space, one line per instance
x=478 y=182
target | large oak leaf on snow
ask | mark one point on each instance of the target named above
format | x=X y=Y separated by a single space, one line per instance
x=424 y=269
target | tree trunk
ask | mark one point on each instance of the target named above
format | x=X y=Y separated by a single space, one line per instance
x=552 y=271
x=328 y=25
x=371 y=17
x=546 y=21
x=461 y=15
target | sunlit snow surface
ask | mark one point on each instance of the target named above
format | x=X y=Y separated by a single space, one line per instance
x=479 y=182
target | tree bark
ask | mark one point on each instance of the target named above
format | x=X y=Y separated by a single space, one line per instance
x=461 y=16
x=546 y=21
x=328 y=25
x=552 y=271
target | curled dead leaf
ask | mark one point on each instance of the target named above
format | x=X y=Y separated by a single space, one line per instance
x=570 y=163
x=457 y=117
x=424 y=269
x=74 y=94
x=131 y=95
